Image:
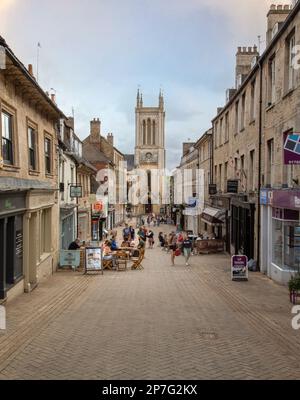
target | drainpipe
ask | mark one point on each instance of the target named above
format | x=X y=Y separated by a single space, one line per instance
x=259 y=162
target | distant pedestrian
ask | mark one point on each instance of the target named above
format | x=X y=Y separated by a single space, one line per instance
x=132 y=232
x=126 y=233
x=187 y=249
x=150 y=237
x=173 y=246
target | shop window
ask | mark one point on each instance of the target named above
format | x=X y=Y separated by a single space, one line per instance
x=286 y=244
x=45 y=231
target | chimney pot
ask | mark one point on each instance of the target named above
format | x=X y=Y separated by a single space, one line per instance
x=30 y=69
x=53 y=98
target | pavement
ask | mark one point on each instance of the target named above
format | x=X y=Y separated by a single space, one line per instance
x=162 y=322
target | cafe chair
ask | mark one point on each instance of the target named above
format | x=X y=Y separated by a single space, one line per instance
x=137 y=261
x=107 y=264
x=121 y=260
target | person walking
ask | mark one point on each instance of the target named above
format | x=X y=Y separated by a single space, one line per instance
x=132 y=232
x=150 y=237
x=126 y=233
x=173 y=246
x=141 y=234
x=187 y=248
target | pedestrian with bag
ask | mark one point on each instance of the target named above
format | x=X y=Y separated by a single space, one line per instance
x=187 y=248
x=173 y=246
x=150 y=237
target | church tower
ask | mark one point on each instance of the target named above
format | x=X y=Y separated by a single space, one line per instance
x=150 y=139
x=150 y=134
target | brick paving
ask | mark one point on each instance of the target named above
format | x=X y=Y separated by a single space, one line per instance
x=162 y=322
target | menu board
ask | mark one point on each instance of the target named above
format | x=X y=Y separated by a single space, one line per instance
x=239 y=268
x=93 y=259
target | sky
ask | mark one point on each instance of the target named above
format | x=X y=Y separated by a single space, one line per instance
x=95 y=54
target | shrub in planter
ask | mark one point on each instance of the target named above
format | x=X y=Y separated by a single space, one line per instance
x=294 y=287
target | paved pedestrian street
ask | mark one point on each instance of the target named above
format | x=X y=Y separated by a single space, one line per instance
x=162 y=322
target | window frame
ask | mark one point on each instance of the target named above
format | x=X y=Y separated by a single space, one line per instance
x=48 y=137
x=34 y=127
x=271 y=80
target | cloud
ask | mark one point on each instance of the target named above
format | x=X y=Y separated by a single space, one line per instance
x=5 y=4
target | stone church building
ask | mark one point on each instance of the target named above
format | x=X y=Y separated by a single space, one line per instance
x=150 y=155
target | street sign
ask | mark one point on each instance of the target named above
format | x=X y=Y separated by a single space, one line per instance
x=75 y=191
x=239 y=268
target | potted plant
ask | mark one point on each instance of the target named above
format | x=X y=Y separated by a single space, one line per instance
x=294 y=288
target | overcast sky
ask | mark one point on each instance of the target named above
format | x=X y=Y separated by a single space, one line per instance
x=95 y=53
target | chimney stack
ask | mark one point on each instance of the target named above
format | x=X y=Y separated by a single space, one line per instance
x=275 y=18
x=95 y=130
x=244 y=57
x=30 y=69
x=53 y=98
x=110 y=139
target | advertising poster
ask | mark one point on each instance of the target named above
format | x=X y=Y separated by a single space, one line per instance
x=93 y=259
x=239 y=268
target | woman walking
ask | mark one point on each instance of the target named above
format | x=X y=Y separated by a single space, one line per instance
x=187 y=249
x=173 y=246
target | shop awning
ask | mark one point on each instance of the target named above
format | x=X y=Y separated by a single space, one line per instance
x=213 y=216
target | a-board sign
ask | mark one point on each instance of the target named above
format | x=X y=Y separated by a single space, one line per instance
x=69 y=258
x=93 y=259
x=239 y=268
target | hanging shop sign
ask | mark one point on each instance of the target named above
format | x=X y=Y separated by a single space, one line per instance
x=232 y=186
x=239 y=268
x=291 y=149
x=93 y=259
x=75 y=191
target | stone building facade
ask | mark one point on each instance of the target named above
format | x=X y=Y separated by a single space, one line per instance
x=108 y=161
x=28 y=179
x=255 y=188
x=150 y=155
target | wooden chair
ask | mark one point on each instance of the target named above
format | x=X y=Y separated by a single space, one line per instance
x=122 y=259
x=137 y=261
x=107 y=264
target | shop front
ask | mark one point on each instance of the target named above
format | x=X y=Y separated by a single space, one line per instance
x=222 y=203
x=213 y=220
x=280 y=242
x=12 y=209
x=242 y=227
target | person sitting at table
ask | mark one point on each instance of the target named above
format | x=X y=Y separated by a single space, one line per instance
x=113 y=244
x=107 y=254
x=161 y=239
